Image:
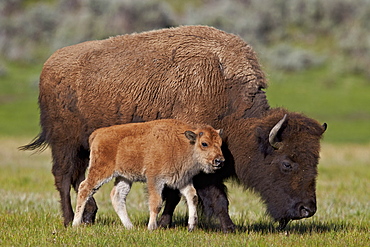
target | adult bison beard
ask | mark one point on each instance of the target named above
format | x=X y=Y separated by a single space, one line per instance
x=283 y=223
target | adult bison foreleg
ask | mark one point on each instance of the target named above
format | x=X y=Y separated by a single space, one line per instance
x=214 y=200
x=171 y=198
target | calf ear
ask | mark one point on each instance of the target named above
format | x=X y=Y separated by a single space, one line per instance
x=191 y=136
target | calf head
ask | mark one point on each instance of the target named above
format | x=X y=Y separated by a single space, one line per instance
x=285 y=168
x=207 y=148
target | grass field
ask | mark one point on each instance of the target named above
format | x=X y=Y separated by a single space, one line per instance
x=30 y=215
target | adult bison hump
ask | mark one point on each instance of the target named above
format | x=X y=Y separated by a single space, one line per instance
x=194 y=73
x=187 y=73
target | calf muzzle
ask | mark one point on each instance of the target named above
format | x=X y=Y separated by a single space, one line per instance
x=218 y=163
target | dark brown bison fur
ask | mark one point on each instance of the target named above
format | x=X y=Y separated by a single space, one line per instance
x=194 y=73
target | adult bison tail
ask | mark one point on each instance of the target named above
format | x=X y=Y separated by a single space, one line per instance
x=38 y=143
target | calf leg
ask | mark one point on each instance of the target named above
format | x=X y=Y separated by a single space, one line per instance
x=155 y=201
x=118 y=197
x=192 y=200
x=85 y=191
x=95 y=179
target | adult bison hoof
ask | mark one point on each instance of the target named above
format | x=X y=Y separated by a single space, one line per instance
x=228 y=229
x=165 y=221
x=89 y=217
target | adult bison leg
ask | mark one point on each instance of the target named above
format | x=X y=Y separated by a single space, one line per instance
x=62 y=176
x=213 y=198
x=171 y=198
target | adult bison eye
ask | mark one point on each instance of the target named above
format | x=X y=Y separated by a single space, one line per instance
x=286 y=166
x=204 y=144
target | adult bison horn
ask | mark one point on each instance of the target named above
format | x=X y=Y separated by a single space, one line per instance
x=273 y=133
x=325 y=126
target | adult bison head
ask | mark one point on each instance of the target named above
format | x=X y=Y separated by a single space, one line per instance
x=283 y=154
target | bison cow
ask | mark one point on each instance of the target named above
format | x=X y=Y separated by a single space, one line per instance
x=162 y=152
x=194 y=73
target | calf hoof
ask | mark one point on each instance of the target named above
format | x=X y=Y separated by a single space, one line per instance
x=129 y=226
x=76 y=223
x=152 y=227
x=191 y=227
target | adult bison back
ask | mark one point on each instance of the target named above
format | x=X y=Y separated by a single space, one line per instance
x=195 y=73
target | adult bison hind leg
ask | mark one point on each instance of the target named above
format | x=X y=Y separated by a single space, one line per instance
x=63 y=185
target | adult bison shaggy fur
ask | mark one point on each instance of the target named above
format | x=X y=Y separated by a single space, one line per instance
x=194 y=73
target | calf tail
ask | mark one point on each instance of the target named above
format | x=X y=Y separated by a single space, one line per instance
x=38 y=143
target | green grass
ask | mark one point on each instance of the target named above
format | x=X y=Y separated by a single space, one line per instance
x=19 y=115
x=30 y=215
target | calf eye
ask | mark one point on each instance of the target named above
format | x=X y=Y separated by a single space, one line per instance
x=204 y=144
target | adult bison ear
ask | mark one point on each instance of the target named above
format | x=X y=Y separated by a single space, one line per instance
x=262 y=139
x=274 y=132
x=191 y=136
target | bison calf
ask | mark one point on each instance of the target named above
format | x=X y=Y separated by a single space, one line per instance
x=163 y=152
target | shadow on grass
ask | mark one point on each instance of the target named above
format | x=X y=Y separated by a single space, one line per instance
x=268 y=227
x=296 y=227
x=261 y=227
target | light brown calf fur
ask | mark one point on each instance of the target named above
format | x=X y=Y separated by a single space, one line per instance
x=162 y=152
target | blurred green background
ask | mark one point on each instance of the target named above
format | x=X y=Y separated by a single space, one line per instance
x=316 y=54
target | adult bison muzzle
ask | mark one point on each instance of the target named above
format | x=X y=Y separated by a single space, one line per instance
x=194 y=73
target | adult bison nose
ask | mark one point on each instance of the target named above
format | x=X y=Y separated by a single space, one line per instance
x=218 y=162
x=306 y=210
